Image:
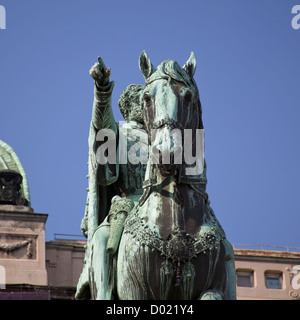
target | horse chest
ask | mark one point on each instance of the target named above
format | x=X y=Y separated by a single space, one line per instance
x=172 y=261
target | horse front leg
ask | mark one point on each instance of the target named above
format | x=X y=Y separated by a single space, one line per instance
x=100 y=265
x=132 y=270
x=230 y=271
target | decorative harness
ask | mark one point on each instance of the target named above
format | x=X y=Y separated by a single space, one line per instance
x=179 y=248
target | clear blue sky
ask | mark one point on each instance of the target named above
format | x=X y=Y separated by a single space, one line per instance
x=248 y=66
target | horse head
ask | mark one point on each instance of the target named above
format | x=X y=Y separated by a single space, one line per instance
x=171 y=104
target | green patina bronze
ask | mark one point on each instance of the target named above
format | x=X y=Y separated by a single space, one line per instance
x=107 y=181
x=151 y=232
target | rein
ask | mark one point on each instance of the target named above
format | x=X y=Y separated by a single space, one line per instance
x=150 y=185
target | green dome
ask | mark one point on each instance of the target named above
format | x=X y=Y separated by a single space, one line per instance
x=10 y=161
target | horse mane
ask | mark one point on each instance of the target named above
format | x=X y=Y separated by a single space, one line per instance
x=172 y=69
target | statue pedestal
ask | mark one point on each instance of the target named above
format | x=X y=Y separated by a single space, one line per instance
x=22 y=245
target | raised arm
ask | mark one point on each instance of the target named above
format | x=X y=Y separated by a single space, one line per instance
x=102 y=116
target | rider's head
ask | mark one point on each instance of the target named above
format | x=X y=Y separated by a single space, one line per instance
x=130 y=103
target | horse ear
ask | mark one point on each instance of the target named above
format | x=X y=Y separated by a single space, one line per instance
x=190 y=65
x=145 y=65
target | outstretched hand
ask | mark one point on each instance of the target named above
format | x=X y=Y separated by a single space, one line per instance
x=100 y=73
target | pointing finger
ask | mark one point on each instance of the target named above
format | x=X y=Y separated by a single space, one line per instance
x=101 y=64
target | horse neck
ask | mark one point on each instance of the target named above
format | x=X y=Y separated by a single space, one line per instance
x=170 y=205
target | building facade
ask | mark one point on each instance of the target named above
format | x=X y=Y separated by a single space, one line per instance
x=267 y=274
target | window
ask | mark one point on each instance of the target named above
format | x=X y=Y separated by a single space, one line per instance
x=244 y=278
x=273 y=279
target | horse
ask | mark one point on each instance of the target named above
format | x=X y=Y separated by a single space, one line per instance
x=172 y=246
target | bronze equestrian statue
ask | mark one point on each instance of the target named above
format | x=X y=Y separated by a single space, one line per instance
x=151 y=233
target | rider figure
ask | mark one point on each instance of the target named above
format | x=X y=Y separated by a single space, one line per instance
x=113 y=188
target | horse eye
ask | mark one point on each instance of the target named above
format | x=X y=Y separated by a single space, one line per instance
x=188 y=97
x=147 y=98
